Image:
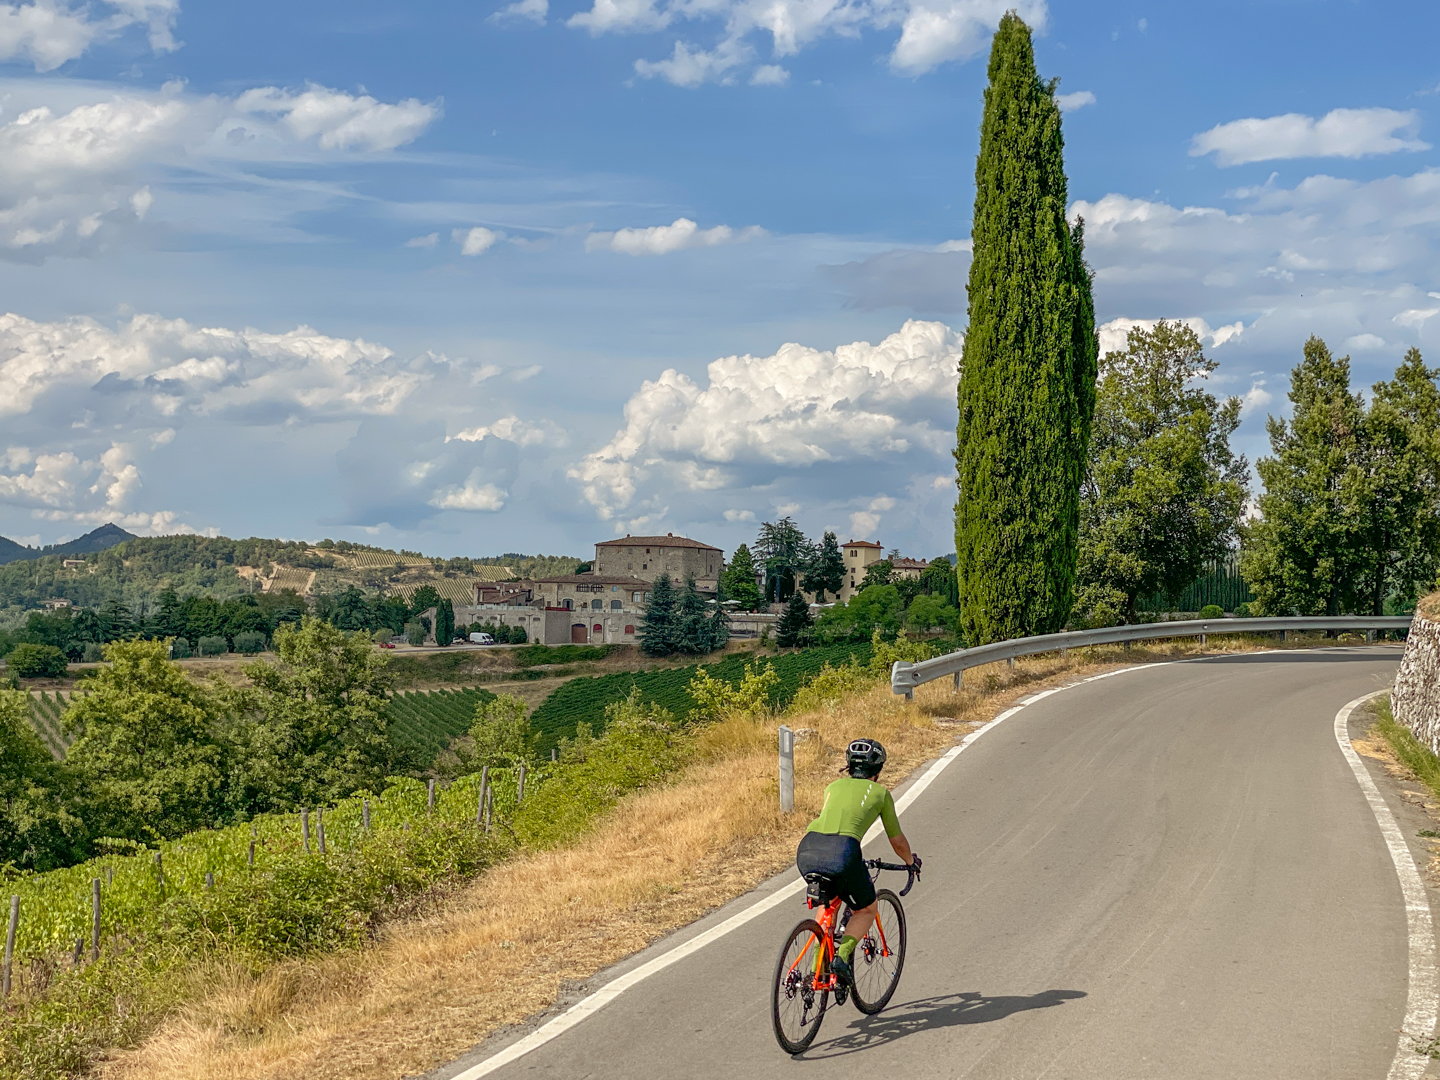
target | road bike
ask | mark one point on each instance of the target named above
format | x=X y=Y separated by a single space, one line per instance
x=803 y=977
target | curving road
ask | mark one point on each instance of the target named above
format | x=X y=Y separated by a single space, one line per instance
x=1171 y=872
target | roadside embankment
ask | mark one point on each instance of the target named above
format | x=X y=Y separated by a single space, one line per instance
x=1416 y=698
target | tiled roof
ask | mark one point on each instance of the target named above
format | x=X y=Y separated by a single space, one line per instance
x=863 y=543
x=910 y=564
x=592 y=579
x=657 y=541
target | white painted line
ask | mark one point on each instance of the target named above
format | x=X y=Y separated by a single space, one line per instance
x=593 y=1003
x=1420 y=1009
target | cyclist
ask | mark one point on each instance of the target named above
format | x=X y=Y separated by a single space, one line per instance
x=831 y=845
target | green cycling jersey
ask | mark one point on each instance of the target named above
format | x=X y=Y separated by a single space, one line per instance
x=851 y=807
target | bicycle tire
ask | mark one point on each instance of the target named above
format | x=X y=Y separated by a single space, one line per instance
x=877 y=974
x=796 y=1008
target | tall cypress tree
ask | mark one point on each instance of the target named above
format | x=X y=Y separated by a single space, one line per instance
x=1027 y=377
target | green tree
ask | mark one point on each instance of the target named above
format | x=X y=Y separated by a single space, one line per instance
x=30 y=661
x=500 y=736
x=785 y=553
x=1400 y=459
x=1027 y=376
x=424 y=598
x=660 y=629
x=444 y=622
x=148 y=754
x=1306 y=553
x=826 y=571
x=880 y=572
x=738 y=580
x=38 y=831
x=939 y=579
x=693 y=630
x=314 y=725
x=929 y=612
x=795 y=621
x=1163 y=494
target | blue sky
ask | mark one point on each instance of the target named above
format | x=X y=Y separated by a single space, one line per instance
x=472 y=278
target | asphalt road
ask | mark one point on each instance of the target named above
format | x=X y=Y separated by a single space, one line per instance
x=1167 y=873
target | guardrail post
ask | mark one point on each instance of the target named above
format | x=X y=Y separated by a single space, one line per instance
x=484 y=787
x=1202 y=641
x=959 y=679
x=787 y=770
x=95 y=920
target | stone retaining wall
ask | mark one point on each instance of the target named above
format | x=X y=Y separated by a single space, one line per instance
x=1416 y=699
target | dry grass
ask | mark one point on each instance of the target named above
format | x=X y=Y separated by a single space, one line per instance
x=1429 y=606
x=505 y=948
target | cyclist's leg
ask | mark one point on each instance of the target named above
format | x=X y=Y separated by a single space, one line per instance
x=859 y=925
x=859 y=892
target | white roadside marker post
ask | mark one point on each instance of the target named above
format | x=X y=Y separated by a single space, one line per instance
x=787 y=770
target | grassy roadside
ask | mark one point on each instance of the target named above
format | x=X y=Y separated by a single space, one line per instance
x=1408 y=750
x=507 y=946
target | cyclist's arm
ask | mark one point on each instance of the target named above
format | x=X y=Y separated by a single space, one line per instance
x=902 y=848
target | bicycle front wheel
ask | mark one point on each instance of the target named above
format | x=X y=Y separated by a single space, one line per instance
x=796 y=1007
x=880 y=956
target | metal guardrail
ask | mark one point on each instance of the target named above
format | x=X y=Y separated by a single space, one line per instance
x=904 y=676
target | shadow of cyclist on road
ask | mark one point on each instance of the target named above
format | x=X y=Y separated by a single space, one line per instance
x=945 y=1010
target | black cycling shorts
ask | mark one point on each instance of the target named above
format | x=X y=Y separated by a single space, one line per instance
x=838 y=857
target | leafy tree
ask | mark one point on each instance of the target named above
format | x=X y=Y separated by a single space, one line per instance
x=876 y=608
x=660 y=630
x=930 y=612
x=180 y=649
x=31 y=661
x=37 y=829
x=415 y=633
x=738 y=580
x=785 y=552
x=148 y=755
x=213 y=646
x=826 y=570
x=938 y=579
x=880 y=572
x=313 y=726
x=424 y=598
x=1163 y=494
x=717 y=631
x=1027 y=377
x=694 y=625
x=1306 y=553
x=794 y=622
x=444 y=622
x=116 y=621
x=249 y=642
x=500 y=736
x=1400 y=528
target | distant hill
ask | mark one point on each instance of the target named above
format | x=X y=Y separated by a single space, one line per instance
x=101 y=539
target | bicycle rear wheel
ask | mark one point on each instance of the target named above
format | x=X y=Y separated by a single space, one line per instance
x=796 y=1007
x=880 y=955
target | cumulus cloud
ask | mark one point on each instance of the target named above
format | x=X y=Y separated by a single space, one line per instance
x=931 y=32
x=1078 y=100
x=47 y=33
x=1114 y=334
x=513 y=429
x=1257 y=397
x=429 y=240
x=756 y=418
x=528 y=10
x=474 y=241
x=663 y=239
x=69 y=176
x=1349 y=133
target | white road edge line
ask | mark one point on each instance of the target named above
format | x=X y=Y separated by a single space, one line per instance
x=593 y=1003
x=1420 y=1008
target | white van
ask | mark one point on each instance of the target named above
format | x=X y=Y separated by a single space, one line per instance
x=481 y=639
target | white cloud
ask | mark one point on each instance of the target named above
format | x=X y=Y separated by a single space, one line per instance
x=474 y=241
x=940 y=483
x=881 y=503
x=429 y=240
x=799 y=408
x=1349 y=133
x=47 y=33
x=470 y=496
x=336 y=120
x=949 y=246
x=69 y=176
x=663 y=239
x=931 y=32
x=1257 y=397
x=1364 y=341
x=1114 y=334
x=532 y=10
x=863 y=524
x=1416 y=316
x=1078 y=100
x=513 y=429
x=739 y=515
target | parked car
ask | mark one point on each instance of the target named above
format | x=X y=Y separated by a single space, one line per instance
x=387 y=644
x=481 y=639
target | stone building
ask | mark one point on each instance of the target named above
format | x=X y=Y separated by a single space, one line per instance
x=909 y=568
x=590 y=608
x=858 y=555
x=647 y=557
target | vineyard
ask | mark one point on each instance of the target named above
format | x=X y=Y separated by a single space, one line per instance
x=459 y=591
x=287 y=577
x=584 y=700
x=173 y=880
x=45 y=711
x=422 y=723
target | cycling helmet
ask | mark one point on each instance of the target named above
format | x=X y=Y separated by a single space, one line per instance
x=865 y=757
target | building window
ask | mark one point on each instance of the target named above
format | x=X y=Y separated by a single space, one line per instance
x=597 y=605
x=630 y=629
x=599 y=629
x=647 y=551
x=569 y=604
x=617 y=605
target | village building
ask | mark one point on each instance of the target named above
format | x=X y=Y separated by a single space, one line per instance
x=591 y=609
x=858 y=554
x=647 y=557
x=909 y=568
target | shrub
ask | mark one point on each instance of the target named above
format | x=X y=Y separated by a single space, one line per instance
x=213 y=646
x=415 y=633
x=1242 y=611
x=715 y=699
x=249 y=642
x=1212 y=611
x=92 y=653
x=382 y=636
x=180 y=649
x=36 y=661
